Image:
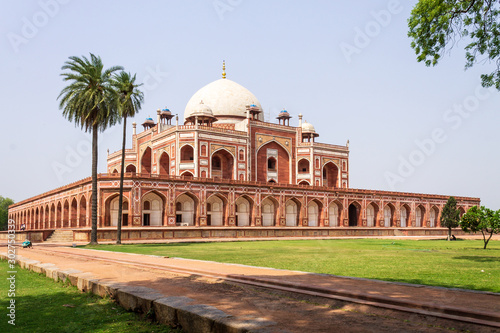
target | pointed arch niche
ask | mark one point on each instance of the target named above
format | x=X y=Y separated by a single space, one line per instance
x=146 y=161
x=164 y=164
x=152 y=210
x=243 y=208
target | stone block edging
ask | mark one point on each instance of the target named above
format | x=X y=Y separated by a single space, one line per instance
x=172 y=310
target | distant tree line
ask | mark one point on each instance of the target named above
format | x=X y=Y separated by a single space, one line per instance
x=4 y=211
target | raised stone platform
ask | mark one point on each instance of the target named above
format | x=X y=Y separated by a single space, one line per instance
x=177 y=233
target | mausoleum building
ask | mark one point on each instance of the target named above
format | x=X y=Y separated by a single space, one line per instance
x=225 y=167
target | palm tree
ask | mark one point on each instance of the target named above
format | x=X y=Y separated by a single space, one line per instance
x=87 y=101
x=128 y=100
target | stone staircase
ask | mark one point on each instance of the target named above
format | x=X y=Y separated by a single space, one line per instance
x=61 y=236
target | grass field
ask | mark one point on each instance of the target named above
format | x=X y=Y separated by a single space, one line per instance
x=460 y=264
x=43 y=305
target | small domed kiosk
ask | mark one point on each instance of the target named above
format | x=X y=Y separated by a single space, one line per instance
x=284 y=118
x=201 y=115
x=148 y=123
x=308 y=132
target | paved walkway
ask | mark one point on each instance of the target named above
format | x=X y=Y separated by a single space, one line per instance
x=478 y=305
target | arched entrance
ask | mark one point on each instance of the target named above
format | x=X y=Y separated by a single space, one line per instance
x=66 y=214
x=215 y=211
x=371 y=215
x=243 y=209
x=46 y=223
x=404 y=215
x=146 y=161
x=222 y=165
x=164 y=164
x=268 y=212
x=303 y=166
x=330 y=175
x=74 y=213
x=462 y=211
x=113 y=209
x=130 y=168
x=152 y=210
x=292 y=213
x=37 y=219
x=313 y=214
x=333 y=214
x=184 y=210
x=59 y=215
x=388 y=215
x=52 y=222
x=419 y=216
x=83 y=212
x=187 y=154
x=273 y=163
x=353 y=215
x=433 y=216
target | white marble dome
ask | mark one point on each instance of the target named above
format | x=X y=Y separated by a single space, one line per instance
x=307 y=128
x=227 y=100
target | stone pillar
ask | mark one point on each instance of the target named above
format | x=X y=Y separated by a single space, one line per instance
x=231 y=211
x=135 y=207
x=203 y=208
x=158 y=118
x=196 y=151
x=134 y=128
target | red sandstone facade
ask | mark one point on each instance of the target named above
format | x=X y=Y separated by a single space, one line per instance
x=226 y=167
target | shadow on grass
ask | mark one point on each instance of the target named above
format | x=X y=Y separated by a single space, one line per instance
x=465 y=287
x=478 y=258
x=67 y=312
x=43 y=305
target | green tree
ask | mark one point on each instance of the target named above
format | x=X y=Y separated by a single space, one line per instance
x=481 y=219
x=450 y=216
x=435 y=26
x=88 y=102
x=128 y=100
x=4 y=212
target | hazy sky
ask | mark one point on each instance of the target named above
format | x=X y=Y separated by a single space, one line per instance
x=347 y=66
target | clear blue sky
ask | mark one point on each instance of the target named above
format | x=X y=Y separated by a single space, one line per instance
x=347 y=66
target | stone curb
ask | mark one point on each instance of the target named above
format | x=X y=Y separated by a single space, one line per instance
x=173 y=310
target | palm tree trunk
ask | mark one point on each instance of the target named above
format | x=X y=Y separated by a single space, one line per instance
x=93 y=233
x=120 y=199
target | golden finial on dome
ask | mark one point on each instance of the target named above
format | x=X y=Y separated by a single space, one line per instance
x=223 y=69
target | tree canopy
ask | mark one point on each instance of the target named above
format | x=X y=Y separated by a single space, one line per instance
x=88 y=99
x=435 y=26
x=4 y=212
x=482 y=220
x=450 y=216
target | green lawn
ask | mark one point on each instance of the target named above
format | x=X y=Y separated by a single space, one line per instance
x=43 y=305
x=461 y=264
